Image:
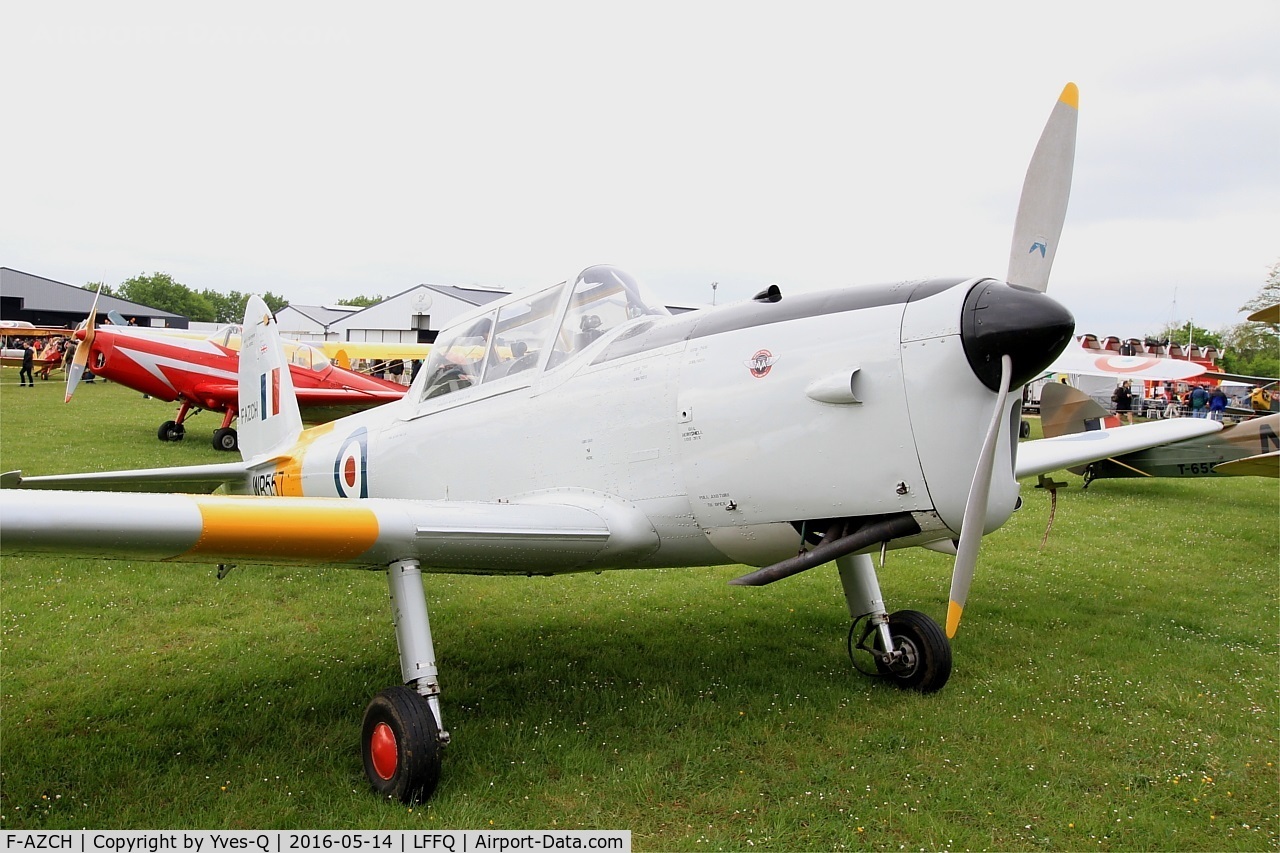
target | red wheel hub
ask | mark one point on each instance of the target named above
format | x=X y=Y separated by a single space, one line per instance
x=382 y=749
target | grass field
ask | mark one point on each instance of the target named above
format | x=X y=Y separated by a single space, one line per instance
x=1119 y=690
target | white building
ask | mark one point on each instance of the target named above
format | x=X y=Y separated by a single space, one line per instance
x=311 y=322
x=413 y=316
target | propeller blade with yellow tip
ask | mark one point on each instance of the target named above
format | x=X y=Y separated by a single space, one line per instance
x=1042 y=209
x=975 y=508
x=82 y=352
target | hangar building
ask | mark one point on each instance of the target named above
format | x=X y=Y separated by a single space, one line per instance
x=45 y=302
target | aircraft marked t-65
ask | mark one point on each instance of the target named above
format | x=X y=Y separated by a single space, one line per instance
x=784 y=432
x=1249 y=448
x=200 y=372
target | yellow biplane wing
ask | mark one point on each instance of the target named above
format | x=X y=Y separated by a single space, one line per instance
x=342 y=352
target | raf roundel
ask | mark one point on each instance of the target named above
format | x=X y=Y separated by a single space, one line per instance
x=351 y=468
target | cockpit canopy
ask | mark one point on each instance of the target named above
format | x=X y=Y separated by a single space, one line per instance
x=298 y=353
x=534 y=329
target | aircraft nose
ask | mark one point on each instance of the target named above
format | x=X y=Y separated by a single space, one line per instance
x=1004 y=319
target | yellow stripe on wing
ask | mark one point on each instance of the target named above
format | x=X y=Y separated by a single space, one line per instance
x=329 y=530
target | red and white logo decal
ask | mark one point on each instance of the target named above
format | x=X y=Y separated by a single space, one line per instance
x=761 y=363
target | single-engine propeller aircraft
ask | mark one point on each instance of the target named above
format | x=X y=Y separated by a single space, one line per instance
x=200 y=373
x=1249 y=448
x=784 y=432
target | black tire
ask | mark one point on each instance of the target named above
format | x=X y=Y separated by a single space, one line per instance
x=400 y=743
x=166 y=430
x=225 y=439
x=1024 y=430
x=927 y=663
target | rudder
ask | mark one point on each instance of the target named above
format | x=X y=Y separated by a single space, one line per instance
x=268 y=407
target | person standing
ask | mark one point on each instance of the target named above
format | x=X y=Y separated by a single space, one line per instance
x=25 y=375
x=1217 y=403
x=1199 y=402
x=1122 y=401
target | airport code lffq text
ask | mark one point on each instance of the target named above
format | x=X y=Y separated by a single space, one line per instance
x=298 y=841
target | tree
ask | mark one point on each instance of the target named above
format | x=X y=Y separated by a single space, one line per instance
x=274 y=302
x=159 y=290
x=1254 y=348
x=100 y=287
x=361 y=301
x=1270 y=293
x=229 y=307
x=1188 y=333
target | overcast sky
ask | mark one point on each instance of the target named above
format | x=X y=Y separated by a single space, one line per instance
x=323 y=150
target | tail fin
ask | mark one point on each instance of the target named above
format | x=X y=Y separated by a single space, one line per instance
x=269 y=416
x=1067 y=411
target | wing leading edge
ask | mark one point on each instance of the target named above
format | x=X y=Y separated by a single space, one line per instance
x=1065 y=451
x=475 y=537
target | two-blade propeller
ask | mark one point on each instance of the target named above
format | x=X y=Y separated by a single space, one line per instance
x=1042 y=211
x=82 y=352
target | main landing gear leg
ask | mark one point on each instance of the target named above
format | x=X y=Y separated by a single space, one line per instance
x=908 y=647
x=174 y=430
x=224 y=437
x=403 y=734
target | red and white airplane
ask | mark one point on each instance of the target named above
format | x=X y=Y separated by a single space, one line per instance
x=200 y=373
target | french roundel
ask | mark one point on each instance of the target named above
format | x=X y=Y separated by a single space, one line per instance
x=1125 y=363
x=351 y=468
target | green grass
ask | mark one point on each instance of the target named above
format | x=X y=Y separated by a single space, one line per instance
x=1119 y=690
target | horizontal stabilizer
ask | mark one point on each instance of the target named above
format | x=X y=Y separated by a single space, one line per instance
x=1053 y=454
x=184 y=478
x=1262 y=465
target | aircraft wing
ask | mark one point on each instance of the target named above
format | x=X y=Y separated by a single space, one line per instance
x=183 y=478
x=1242 y=378
x=1051 y=454
x=1262 y=465
x=345 y=400
x=343 y=351
x=475 y=537
x=357 y=397
x=1092 y=363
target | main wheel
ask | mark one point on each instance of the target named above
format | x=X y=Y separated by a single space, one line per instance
x=225 y=439
x=401 y=745
x=926 y=660
x=171 y=431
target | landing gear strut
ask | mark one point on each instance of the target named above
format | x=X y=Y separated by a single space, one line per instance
x=174 y=430
x=907 y=647
x=225 y=438
x=403 y=736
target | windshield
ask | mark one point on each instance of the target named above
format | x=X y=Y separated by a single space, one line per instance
x=457 y=358
x=604 y=298
x=305 y=355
